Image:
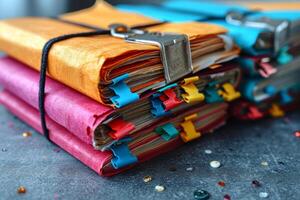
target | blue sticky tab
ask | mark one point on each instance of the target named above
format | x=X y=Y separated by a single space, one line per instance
x=270 y=90
x=167 y=131
x=248 y=65
x=167 y=87
x=284 y=57
x=122 y=155
x=212 y=96
x=158 y=109
x=124 y=96
x=285 y=97
x=248 y=88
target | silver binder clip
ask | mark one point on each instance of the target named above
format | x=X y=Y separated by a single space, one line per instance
x=280 y=28
x=175 y=51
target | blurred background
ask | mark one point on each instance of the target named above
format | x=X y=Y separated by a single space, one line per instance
x=18 y=8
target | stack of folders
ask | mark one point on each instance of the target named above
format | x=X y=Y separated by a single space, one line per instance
x=120 y=88
x=270 y=43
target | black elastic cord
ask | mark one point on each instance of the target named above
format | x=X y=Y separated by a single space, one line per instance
x=44 y=66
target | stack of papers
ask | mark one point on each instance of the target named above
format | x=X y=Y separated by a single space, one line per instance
x=269 y=39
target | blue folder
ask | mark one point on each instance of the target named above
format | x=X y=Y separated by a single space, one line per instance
x=244 y=36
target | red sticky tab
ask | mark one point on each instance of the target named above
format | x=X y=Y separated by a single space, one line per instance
x=169 y=99
x=266 y=70
x=120 y=129
x=246 y=111
x=254 y=113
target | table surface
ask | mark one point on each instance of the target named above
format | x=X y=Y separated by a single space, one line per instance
x=47 y=172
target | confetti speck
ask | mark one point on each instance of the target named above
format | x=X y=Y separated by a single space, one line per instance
x=189 y=169
x=172 y=169
x=227 y=197
x=215 y=164
x=263 y=195
x=147 y=179
x=21 y=190
x=264 y=163
x=297 y=134
x=160 y=188
x=26 y=134
x=208 y=151
x=255 y=183
x=201 y=195
x=221 y=183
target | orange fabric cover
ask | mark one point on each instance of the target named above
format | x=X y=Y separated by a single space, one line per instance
x=272 y=5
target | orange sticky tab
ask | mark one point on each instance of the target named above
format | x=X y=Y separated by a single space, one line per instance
x=192 y=93
x=276 y=111
x=189 y=131
x=228 y=92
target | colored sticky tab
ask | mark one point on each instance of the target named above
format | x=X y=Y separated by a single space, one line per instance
x=167 y=131
x=212 y=95
x=284 y=57
x=192 y=94
x=169 y=99
x=163 y=101
x=157 y=109
x=228 y=92
x=124 y=96
x=120 y=128
x=276 y=111
x=285 y=97
x=122 y=155
x=254 y=113
x=189 y=131
x=266 y=69
x=270 y=90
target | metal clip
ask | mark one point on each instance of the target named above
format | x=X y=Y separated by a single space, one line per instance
x=189 y=131
x=192 y=93
x=280 y=28
x=228 y=92
x=167 y=131
x=175 y=51
x=122 y=155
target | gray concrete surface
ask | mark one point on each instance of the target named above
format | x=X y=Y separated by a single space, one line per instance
x=49 y=173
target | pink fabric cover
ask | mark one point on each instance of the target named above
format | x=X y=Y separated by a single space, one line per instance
x=59 y=135
x=70 y=143
x=80 y=150
x=77 y=113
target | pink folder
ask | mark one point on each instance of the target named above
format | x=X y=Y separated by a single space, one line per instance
x=96 y=160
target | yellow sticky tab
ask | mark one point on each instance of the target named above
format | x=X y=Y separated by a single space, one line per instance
x=276 y=111
x=228 y=92
x=189 y=131
x=192 y=93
